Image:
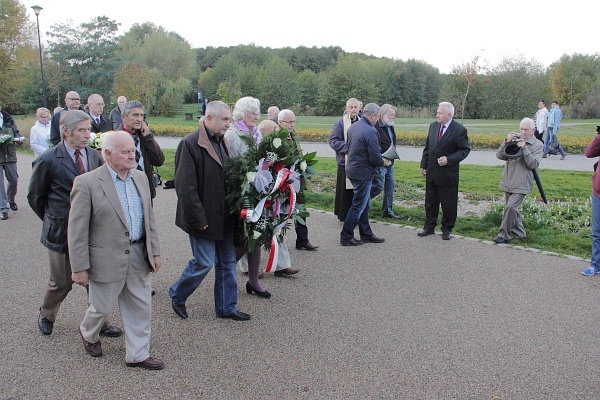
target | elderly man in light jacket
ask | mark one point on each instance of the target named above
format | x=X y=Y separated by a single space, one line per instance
x=517 y=178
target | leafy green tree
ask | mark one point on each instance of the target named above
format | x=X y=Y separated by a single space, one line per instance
x=308 y=88
x=136 y=82
x=86 y=55
x=155 y=48
x=516 y=85
x=351 y=77
x=279 y=80
x=572 y=76
x=229 y=92
x=17 y=36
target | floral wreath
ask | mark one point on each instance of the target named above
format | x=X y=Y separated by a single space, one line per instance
x=95 y=141
x=265 y=189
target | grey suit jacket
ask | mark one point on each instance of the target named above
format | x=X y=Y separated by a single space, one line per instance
x=98 y=232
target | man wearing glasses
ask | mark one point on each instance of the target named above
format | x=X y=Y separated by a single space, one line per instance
x=72 y=102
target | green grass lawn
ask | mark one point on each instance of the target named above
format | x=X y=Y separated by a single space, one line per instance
x=563 y=226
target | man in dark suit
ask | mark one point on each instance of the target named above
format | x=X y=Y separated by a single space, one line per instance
x=148 y=153
x=111 y=207
x=447 y=145
x=96 y=108
x=72 y=102
x=384 y=176
x=49 y=196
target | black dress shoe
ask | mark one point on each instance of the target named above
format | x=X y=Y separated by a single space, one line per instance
x=445 y=235
x=14 y=207
x=150 y=363
x=236 y=316
x=286 y=272
x=501 y=240
x=249 y=289
x=425 y=232
x=45 y=324
x=110 y=330
x=390 y=216
x=306 y=246
x=372 y=239
x=180 y=310
x=351 y=242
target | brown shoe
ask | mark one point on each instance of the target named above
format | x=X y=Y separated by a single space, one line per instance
x=93 y=349
x=286 y=272
x=148 y=363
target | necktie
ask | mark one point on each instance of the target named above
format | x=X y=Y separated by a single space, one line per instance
x=79 y=162
x=136 y=140
x=98 y=121
x=441 y=133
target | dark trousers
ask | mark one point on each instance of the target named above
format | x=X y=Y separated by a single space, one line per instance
x=301 y=234
x=447 y=196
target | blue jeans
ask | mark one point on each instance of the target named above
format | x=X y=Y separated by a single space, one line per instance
x=551 y=138
x=595 y=259
x=221 y=254
x=359 y=211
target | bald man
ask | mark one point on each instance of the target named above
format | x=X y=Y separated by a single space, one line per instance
x=115 y=114
x=273 y=113
x=267 y=126
x=72 y=102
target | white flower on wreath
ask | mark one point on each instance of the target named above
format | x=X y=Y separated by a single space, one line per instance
x=250 y=176
x=256 y=234
x=276 y=143
x=303 y=166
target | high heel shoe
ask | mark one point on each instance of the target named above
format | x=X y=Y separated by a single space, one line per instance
x=250 y=289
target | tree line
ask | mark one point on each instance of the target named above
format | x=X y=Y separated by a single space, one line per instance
x=162 y=70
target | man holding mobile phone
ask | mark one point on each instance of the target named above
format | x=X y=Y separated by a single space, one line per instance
x=148 y=153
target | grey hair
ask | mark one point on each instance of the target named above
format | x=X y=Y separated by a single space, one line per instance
x=245 y=105
x=130 y=105
x=215 y=107
x=448 y=107
x=371 y=109
x=385 y=109
x=69 y=120
x=109 y=141
x=530 y=122
x=352 y=100
x=283 y=113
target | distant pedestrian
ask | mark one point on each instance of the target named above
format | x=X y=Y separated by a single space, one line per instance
x=9 y=136
x=541 y=120
x=551 y=145
x=39 y=135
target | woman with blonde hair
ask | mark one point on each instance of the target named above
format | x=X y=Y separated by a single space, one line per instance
x=39 y=136
x=245 y=118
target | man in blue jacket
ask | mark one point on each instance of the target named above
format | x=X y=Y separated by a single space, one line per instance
x=364 y=156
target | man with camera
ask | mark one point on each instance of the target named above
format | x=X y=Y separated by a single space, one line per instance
x=522 y=153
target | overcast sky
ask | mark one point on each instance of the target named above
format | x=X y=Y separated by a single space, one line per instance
x=441 y=33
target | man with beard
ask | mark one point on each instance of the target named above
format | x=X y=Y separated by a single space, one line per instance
x=384 y=176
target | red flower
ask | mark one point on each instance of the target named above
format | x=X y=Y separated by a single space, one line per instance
x=268 y=203
x=277 y=166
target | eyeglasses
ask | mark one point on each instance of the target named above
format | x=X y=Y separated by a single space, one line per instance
x=73 y=98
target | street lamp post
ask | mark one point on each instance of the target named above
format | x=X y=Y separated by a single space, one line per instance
x=36 y=10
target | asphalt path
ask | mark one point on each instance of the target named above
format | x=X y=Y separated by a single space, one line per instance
x=412 y=318
x=573 y=162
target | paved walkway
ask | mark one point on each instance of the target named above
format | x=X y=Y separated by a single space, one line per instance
x=574 y=162
x=412 y=318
